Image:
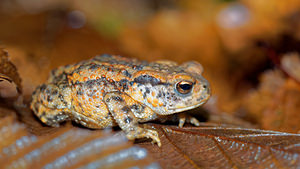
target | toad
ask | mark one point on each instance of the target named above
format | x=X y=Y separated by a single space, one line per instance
x=112 y=90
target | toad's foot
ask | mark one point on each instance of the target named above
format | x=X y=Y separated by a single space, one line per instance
x=143 y=133
x=187 y=118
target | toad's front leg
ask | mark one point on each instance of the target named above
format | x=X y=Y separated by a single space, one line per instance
x=182 y=118
x=125 y=118
x=185 y=118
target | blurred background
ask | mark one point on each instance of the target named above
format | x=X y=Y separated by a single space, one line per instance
x=240 y=44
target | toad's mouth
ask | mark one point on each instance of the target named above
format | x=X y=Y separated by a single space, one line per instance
x=176 y=109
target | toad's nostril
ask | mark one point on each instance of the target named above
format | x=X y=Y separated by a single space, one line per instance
x=204 y=86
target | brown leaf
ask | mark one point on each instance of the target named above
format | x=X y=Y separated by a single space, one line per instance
x=276 y=102
x=67 y=147
x=217 y=147
x=283 y=111
x=257 y=101
x=10 y=81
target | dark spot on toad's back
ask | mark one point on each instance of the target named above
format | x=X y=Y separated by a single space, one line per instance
x=79 y=92
x=49 y=98
x=61 y=97
x=127 y=120
x=144 y=79
x=43 y=87
x=117 y=98
x=123 y=84
x=159 y=94
x=125 y=109
x=147 y=90
x=126 y=73
x=90 y=83
x=54 y=92
x=94 y=67
x=135 y=107
x=77 y=82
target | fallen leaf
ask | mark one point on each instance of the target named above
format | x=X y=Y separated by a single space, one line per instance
x=275 y=103
x=257 y=101
x=10 y=81
x=219 y=147
x=68 y=147
x=282 y=113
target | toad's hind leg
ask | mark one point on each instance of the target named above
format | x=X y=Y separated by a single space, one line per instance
x=125 y=118
x=48 y=105
x=51 y=117
x=94 y=115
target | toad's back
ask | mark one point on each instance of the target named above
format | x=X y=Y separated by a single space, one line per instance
x=112 y=67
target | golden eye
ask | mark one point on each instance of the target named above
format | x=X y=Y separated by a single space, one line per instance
x=184 y=87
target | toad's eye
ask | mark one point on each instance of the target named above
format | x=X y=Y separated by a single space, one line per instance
x=184 y=87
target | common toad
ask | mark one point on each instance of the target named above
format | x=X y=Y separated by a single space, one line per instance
x=111 y=91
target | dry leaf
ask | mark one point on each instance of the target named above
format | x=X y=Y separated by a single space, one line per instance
x=282 y=112
x=67 y=147
x=10 y=81
x=256 y=101
x=276 y=102
x=218 y=147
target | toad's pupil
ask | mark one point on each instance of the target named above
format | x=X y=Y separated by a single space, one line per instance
x=185 y=86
